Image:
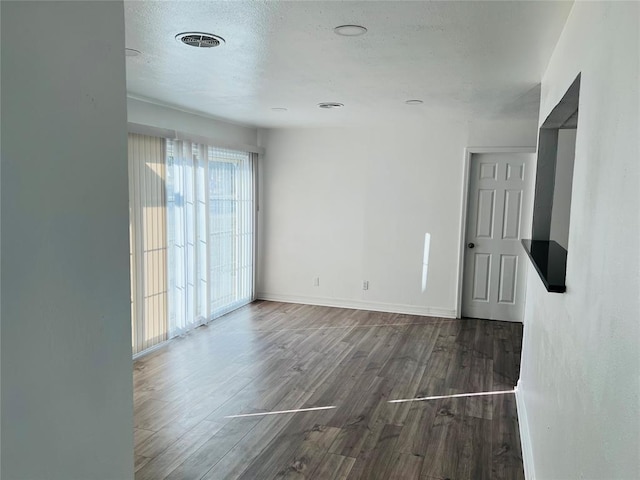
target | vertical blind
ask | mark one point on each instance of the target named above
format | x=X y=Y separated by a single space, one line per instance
x=192 y=235
x=148 y=241
x=210 y=202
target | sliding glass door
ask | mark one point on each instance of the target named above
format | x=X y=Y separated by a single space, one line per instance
x=192 y=216
x=211 y=208
x=231 y=229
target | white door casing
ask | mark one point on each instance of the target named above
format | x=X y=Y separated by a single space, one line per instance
x=499 y=209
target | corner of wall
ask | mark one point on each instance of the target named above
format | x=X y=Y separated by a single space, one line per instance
x=525 y=435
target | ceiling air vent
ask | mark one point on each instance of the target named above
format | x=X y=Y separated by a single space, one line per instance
x=200 y=39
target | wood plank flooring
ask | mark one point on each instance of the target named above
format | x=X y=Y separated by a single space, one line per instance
x=271 y=356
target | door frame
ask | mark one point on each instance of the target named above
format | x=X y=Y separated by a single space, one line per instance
x=466 y=167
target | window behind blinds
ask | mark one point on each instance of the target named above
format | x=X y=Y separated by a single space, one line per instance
x=210 y=225
x=148 y=241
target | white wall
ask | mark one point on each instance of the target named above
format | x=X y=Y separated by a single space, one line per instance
x=506 y=132
x=561 y=212
x=215 y=131
x=67 y=408
x=581 y=362
x=354 y=204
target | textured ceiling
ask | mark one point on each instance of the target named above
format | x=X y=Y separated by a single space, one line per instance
x=483 y=59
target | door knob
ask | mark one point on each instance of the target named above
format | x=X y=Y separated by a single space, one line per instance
x=471 y=245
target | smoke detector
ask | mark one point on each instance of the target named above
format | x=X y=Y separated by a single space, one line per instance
x=330 y=105
x=200 y=39
x=414 y=102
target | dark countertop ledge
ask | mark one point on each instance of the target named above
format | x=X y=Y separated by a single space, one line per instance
x=550 y=261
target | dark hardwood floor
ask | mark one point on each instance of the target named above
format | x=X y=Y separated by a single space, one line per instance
x=272 y=356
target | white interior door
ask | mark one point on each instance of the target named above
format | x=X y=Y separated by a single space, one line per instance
x=498 y=215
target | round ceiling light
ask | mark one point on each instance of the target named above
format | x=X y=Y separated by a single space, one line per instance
x=350 y=30
x=414 y=102
x=131 y=52
x=200 y=39
x=330 y=105
x=279 y=109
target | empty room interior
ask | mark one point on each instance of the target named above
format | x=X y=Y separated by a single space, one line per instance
x=320 y=239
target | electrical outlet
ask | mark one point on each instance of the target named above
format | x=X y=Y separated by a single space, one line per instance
x=365 y=285
x=316 y=282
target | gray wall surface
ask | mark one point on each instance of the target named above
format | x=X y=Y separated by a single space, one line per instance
x=66 y=335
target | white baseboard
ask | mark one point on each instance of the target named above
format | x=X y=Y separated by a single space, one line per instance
x=525 y=436
x=360 y=305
